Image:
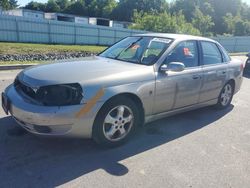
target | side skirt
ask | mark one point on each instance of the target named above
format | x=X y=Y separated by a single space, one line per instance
x=151 y=118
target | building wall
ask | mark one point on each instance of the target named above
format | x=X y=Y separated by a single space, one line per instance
x=50 y=16
x=33 y=14
x=81 y=20
x=25 y=13
x=92 y=21
x=16 y=12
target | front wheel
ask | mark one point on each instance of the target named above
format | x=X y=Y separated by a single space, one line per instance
x=116 y=122
x=226 y=96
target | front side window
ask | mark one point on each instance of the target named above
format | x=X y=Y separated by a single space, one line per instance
x=141 y=50
x=211 y=53
x=185 y=52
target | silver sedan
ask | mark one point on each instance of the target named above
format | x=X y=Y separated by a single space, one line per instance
x=137 y=80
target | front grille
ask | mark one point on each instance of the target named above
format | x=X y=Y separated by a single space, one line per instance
x=19 y=86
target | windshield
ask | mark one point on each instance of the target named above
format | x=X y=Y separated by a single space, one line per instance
x=141 y=50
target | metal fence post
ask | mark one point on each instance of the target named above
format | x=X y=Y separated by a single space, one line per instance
x=49 y=32
x=74 y=33
x=235 y=43
x=98 y=31
x=17 y=31
x=115 y=35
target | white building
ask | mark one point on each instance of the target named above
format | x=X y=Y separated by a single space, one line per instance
x=78 y=19
x=100 y=21
x=25 y=13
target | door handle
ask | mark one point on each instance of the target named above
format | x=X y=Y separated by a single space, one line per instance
x=195 y=77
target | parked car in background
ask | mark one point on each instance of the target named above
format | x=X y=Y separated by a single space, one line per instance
x=247 y=65
x=248 y=59
x=137 y=80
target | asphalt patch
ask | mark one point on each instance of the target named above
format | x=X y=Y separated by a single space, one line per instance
x=16 y=131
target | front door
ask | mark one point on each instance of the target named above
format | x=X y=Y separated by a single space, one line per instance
x=179 y=89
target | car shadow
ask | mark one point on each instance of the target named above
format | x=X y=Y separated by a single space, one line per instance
x=26 y=159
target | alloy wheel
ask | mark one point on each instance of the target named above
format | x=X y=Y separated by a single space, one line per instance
x=118 y=123
x=226 y=95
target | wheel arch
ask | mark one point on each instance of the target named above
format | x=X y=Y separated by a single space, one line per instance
x=135 y=98
x=232 y=81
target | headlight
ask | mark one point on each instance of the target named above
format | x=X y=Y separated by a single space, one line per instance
x=59 y=95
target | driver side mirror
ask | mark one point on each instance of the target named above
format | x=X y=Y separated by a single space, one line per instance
x=174 y=66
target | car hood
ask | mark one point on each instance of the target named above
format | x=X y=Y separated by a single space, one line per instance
x=91 y=70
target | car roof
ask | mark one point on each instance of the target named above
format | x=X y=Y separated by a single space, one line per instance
x=175 y=36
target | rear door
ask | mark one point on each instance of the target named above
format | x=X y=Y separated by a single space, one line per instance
x=214 y=71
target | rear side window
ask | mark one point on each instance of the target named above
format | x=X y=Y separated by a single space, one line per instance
x=211 y=53
x=226 y=57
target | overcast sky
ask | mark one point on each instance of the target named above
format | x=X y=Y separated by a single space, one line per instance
x=24 y=2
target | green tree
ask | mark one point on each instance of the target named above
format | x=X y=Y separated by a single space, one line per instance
x=13 y=4
x=202 y=22
x=101 y=8
x=36 y=6
x=216 y=16
x=108 y=7
x=187 y=7
x=229 y=23
x=221 y=8
x=78 y=8
x=245 y=11
x=163 y=22
x=63 y=4
x=235 y=25
x=51 y=6
x=125 y=8
x=8 y=4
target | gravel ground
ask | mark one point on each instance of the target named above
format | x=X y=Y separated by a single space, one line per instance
x=44 y=57
x=202 y=148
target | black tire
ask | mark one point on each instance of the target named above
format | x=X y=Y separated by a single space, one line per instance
x=99 y=134
x=222 y=104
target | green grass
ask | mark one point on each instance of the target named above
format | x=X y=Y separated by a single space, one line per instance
x=239 y=54
x=27 y=48
x=22 y=62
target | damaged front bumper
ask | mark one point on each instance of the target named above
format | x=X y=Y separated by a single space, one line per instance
x=49 y=120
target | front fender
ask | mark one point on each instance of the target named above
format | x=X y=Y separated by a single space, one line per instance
x=143 y=90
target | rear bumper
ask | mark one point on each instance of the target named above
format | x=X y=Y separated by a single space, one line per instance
x=51 y=121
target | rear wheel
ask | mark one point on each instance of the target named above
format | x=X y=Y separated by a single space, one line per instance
x=116 y=122
x=226 y=96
